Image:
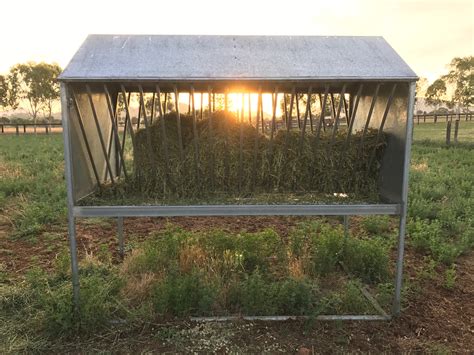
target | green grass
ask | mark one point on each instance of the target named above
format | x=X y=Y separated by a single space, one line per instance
x=437 y=132
x=181 y=273
x=32 y=189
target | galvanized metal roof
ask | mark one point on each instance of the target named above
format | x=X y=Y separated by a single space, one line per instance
x=187 y=57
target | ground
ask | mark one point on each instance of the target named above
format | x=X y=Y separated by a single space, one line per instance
x=437 y=317
x=433 y=319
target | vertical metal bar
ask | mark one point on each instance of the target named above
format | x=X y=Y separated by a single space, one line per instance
x=286 y=110
x=387 y=109
x=115 y=112
x=321 y=118
x=68 y=171
x=290 y=113
x=333 y=106
x=128 y=118
x=124 y=134
x=120 y=236
x=165 y=103
x=241 y=144
x=382 y=123
x=189 y=104
x=140 y=106
x=164 y=145
x=250 y=110
x=226 y=148
x=274 y=101
x=153 y=103
x=351 y=104
x=324 y=115
x=261 y=116
x=305 y=121
x=369 y=115
x=211 y=141
x=84 y=136
x=257 y=133
x=338 y=114
x=109 y=149
x=147 y=129
x=346 y=109
x=310 y=116
x=195 y=134
x=99 y=131
x=404 y=204
x=115 y=130
x=202 y=106
x=178 y=117
x=298 y=111
x=353 y=113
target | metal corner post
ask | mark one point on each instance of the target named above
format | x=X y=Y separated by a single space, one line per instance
x=404 y=205
x=70 y=195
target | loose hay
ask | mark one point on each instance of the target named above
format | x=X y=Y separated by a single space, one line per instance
x=225 y=165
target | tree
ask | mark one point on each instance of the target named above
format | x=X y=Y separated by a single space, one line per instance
x=436 y=92
x=461 y=74
x=37 y=84
x=13 y=84
x=421 y=87
x=3 y=91
x=50 y=87
x=8 y=91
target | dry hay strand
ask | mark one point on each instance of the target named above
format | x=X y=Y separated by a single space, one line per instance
x=138 y=287
x=192 y=257
x=225 y=164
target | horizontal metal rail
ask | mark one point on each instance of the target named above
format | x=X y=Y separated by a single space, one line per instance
x=236 y=210
x=355 y=317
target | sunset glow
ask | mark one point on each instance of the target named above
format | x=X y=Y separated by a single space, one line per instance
x=413 y=27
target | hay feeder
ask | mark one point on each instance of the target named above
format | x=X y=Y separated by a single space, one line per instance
x=332 y=87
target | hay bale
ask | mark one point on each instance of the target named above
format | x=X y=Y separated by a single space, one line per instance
x=224 y=169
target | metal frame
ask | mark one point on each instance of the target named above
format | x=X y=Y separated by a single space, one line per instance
x=69 y=101
x=363 y=105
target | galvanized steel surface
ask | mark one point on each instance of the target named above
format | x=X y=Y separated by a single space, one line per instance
x=186 y=57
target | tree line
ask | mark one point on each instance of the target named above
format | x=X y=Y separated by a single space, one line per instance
x=33 y=85
x=460 y=76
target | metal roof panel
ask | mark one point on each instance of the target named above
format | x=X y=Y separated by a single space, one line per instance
x=196 y=57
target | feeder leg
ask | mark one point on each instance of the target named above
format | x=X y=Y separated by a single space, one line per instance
x=399 y=269
x=120 y=236
x=74 y=262
x=346 y=227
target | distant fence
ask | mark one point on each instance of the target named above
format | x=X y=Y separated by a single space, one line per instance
x=435 y=117
x=46 y=128
x=23 y=128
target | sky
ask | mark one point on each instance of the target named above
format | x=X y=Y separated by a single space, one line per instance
x=426 y=33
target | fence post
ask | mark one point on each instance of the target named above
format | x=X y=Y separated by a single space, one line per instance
x=24 y=128
x=435 y=118
x=3 y=130
x=46 y=129
x=17 y=129
x=418 y=119
x=456 y=129
x=448 y=133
